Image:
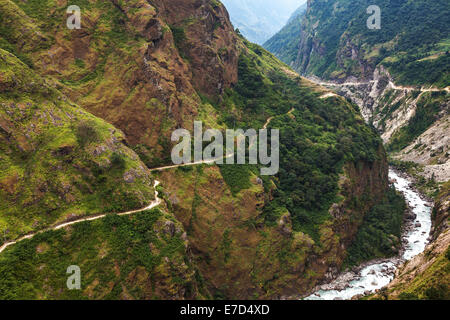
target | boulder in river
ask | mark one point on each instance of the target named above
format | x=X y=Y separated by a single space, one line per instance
x=418 y=225
x=341 y=287
x=410 y=216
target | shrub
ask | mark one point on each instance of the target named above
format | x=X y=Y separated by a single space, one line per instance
x=118 y=161
x=237 y=177
x=86 y=133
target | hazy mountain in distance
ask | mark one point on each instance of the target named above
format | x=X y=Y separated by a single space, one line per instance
x=258 y=20
x=300 y=11
x=284 y=44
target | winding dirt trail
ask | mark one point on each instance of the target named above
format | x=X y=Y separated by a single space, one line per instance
x=152 y=205
x=390 y=85
x=271 y=118
x=328 y=95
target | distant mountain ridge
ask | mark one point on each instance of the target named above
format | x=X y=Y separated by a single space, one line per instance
x=284 y=44
x=259 y=20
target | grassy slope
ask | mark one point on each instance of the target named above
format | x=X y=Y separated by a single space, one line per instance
x=237 y=254
x=134 y=64
x=380 y=233
x=135 y=257
x=58 y=161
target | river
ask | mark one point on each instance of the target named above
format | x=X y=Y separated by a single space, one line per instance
x=377 y=274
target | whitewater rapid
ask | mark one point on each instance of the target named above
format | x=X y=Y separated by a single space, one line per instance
x=378 y=274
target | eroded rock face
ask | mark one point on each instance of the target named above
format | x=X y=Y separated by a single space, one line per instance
x=332 y=48
x=212 y=46
x=144 y=76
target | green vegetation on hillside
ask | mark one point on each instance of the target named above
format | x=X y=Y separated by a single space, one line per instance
x=427 y=112
x=316 y=139
x=413 y=71
x=284 y=44
x=133 y=257
x=379 y=236
x=413 y=41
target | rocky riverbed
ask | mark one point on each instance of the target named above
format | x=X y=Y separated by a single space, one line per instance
x=374 y=275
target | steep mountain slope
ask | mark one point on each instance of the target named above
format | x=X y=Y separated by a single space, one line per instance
x=398 y=75
x=58 y=161
x=149 y=67
x=144 y=256
x=412 y=121
x=284 y=44
x=337 y=44
x=261 y=19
